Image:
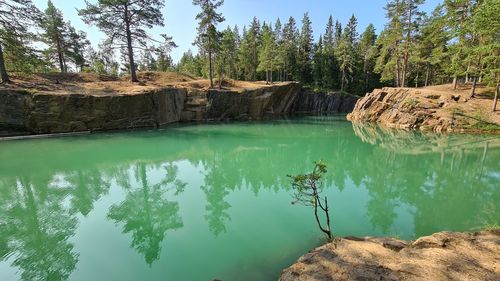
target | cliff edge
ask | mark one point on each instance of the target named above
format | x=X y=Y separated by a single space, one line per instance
x=438 y=109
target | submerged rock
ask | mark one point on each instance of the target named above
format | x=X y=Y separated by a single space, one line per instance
x=441 y=256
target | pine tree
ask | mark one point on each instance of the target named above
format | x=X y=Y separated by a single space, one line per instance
x=164 y=62
x=330 y=70
x=280 y=50
x=390 y=44
x=290 y=48
x=245 y=55
x=16 y=16
x=237 y=62
x=305 y=52
x=77 y=43
x=55 y=33
x=337 y=34
x=318 y=63
x=346 y=53
x=367 y=52
x=458 y=14
x=254 y=40
x=207 y=30
x=125 y=23
x=431 y=46
x=227 y=55
x=486 y=25
x=267 y=53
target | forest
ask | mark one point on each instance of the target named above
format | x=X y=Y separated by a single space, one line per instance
x=459 y=42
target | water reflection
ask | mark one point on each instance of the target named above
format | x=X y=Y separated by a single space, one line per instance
x=35 y=226
x=444 y=182
x=146 y=212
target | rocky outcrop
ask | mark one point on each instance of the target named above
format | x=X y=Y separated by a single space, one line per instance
x=22 y=112
x=441 y=256
x=265 y=102
x=422 y=109
x=310 y=102
x=42 y=113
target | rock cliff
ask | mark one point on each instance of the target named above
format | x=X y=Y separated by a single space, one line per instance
x=42 y=113
x=309 y=102
x=23 y=112
x=265 y=102
x=426 y=110
x=441 y=256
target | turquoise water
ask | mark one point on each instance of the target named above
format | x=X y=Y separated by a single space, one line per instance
x=205 y=202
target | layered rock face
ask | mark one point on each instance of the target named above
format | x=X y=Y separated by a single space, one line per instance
x=22 y=112
x=43 y=113
x=441 y=256
x=424 y=109
x=400 y=108
x=265 y=102
x=309 y=102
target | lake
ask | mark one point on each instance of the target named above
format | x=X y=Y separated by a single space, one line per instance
x=213 y=201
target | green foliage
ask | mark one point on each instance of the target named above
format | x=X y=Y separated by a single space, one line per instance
x=307 y=188
x=125 y=23
x=305 y=51
x=268 y=53
x=64 y=42
x=16 y=16
x=208 y=36
x=227 y=56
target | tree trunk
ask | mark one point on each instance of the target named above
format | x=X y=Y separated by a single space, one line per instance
x=473 y=90
x=210 y=69
x=60 y=55
x=130 y=49
x=427 y=76
x=494 y=107
x=342 y=82
x=271 y=73
x=398 y=73
x=3 y=70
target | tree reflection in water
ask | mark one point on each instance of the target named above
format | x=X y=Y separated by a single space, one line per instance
x=147 y=213
x=442 y=182
x=34 y=228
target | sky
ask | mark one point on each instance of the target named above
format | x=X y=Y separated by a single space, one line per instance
x=180 y=15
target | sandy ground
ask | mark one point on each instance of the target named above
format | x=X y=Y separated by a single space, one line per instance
x=441 y=256
x=481 y=103
x=86 y=83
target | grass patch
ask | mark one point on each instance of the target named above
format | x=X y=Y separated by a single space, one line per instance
x=411 y=102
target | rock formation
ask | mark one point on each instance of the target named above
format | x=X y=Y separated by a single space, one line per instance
x=424 y=109
x=23 y=112
x=310 y=102
x=441 y=256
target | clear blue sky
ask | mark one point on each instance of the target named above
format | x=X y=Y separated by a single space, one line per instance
x=180 y=15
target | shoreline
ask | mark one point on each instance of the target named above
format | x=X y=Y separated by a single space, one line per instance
x=440 y=256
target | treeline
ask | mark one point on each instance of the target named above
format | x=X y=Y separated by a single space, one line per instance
x=458 y=42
